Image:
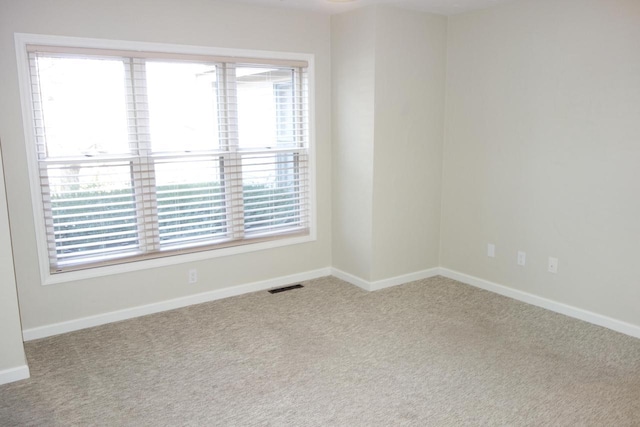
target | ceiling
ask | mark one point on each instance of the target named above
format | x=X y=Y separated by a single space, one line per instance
x=443 y=7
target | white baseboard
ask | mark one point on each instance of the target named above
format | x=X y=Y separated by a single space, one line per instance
x=558 y=307
x=14 y=374
x=350 y=278
x=143 y=310
x=385 y=283
x=115 y=316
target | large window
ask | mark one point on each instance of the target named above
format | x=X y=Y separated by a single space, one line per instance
x=142 y=155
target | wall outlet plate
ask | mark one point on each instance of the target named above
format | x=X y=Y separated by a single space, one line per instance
x=193 y=276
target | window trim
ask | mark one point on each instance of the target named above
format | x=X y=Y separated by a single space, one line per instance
x=22 y=40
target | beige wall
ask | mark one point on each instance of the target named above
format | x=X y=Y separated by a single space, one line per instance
x=195 y=22
x=542 y=150
x=11 y=349
x=388 y=111
x=409 y=121
x=353 y=89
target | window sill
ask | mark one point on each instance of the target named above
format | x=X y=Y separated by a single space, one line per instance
x=125 y=267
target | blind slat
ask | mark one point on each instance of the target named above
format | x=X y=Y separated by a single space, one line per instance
x=98 y=243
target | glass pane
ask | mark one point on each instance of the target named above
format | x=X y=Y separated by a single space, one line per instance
x=191 y=201
x=84 y=106
x=93 y=209
x=272 y=191
x=183 y=106
x=266 y=107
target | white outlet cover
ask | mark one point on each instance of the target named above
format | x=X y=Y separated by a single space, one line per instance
x=193 y=276
x=522 y=258
x=553 y=265
x=491 y=250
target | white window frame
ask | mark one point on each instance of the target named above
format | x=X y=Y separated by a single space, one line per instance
x=22 y=40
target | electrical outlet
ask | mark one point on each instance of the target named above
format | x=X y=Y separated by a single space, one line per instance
x=193 y=276
x=491 y=250
x=522 y=258
x=553 y=265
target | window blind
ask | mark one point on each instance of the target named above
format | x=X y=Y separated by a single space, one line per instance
x=142 y=155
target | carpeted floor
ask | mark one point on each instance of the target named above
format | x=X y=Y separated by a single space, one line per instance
x=432 y=352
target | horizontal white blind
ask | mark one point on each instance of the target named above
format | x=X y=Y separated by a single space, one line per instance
x=90 y=211
x=143 y=156
x=273 y=199
x=192 y=208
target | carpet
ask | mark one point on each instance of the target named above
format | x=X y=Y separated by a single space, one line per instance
x=429 y=353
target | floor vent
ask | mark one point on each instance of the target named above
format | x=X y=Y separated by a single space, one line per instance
x=286 y=288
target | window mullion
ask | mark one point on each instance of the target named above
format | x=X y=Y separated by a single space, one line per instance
x=301 y=137
x=142 y=165
x=232 y=162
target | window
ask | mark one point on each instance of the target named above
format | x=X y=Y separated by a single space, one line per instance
x=143 y=154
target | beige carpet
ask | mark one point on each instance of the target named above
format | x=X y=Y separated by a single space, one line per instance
x=433 y=352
